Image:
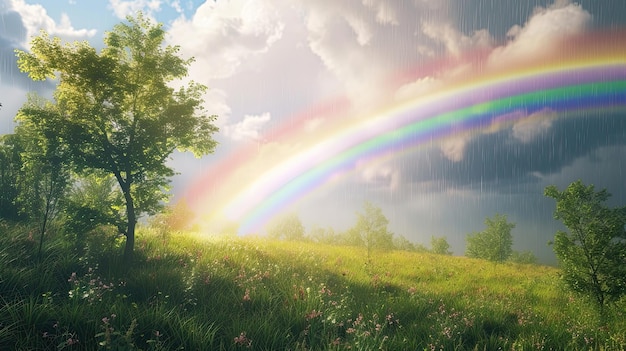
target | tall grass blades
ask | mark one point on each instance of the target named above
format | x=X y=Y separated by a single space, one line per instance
x=191 y=292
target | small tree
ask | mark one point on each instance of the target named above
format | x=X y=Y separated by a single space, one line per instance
x=324 y=235
x=116 y=112
x=402 y=243
x=440 y=246
x=44 y=173
x=10 y=169
x=287 y=227
x=523 y=257
x=371 y=227
x=592 y=255
x=494 y=243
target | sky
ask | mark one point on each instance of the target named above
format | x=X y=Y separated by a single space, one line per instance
x=312 y=98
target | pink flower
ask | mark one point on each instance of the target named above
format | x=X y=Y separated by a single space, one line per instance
x=246 y=296
x=243 y=340
x=313 y=314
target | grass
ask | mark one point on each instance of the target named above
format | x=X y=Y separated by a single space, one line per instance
x=192 y=293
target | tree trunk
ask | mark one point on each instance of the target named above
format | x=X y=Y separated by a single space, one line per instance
x=130 y=228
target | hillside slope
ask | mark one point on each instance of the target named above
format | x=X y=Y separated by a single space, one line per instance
x=232 y=293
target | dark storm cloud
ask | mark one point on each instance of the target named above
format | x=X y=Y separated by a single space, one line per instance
x=498 y=16
x=499 y=160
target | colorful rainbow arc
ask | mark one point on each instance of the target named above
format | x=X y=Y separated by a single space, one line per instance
x=567 y=88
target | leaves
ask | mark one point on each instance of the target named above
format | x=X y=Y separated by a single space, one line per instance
x=115 y=111
x=592 y=254
x=494 y=243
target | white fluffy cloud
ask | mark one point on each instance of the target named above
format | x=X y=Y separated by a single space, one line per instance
x=122 y=8
x=363 y=42
x=561 y=19
x=249 y=128
x=455 y=41
x=223 y=35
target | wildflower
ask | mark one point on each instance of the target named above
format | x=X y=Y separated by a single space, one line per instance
x=313 y=314
x=243 y=340
x=105 y=320
x=246 y=296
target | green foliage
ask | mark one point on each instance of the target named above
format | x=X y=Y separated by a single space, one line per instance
x=90 y=203
x=198 y=293
x=286 y=227
x=402 y=243
x=174 y=218
x=440 y=246
x=494 y=243
x=593 y=254
x=371 y=228
x=44 y=175
x=324 y=235
x=523 y=257
x=116 y=112
x=10 y=168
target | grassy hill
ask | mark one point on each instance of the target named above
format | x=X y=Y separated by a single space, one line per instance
x=194 y=293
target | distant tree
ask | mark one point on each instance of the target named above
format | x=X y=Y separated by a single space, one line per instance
x=371 y=228
x=324 y=235
x=286 y=227
x=523 y=257
x=116 y=111
x=440 y=246
x=592 y=255
x=402 y=243
x=494 y=243
x=178 y=217
x=351 y=237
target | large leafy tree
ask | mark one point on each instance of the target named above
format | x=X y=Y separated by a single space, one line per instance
x=371 y=229
x=592 y=255
x=117 y=111
x=494 y=243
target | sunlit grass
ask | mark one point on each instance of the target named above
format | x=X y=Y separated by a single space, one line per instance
x=194 y=292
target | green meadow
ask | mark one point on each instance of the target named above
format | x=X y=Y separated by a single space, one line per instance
x=186 y=292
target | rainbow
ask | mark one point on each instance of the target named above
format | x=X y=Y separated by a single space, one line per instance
x=564 y=84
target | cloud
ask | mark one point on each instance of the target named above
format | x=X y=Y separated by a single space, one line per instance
x=362 y=43
x=226 y=34
x=35 y=18
x=454 y=40
x=504 y=160
x=545 y=26
x=416 y=88
x=383 y=176
x=453 y=148
x=249 y=128
x=122 y=8
x=534 y=125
